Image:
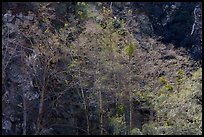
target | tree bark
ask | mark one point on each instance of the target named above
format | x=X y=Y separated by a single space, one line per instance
x=24 y=115
x=85 y=107
x=40 y=112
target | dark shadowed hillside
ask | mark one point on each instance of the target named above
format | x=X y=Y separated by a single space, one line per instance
x=101 y=68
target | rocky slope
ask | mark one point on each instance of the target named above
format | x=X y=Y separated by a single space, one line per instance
x=52 y=65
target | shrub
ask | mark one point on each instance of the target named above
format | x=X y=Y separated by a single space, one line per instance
x=162 y=80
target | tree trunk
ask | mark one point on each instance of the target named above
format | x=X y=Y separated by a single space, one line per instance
x=40 y=112
x=84 y=98
x=130 y=108
x=86 y=111
x=39 y=120
x=24 y=115
x=101 y=113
